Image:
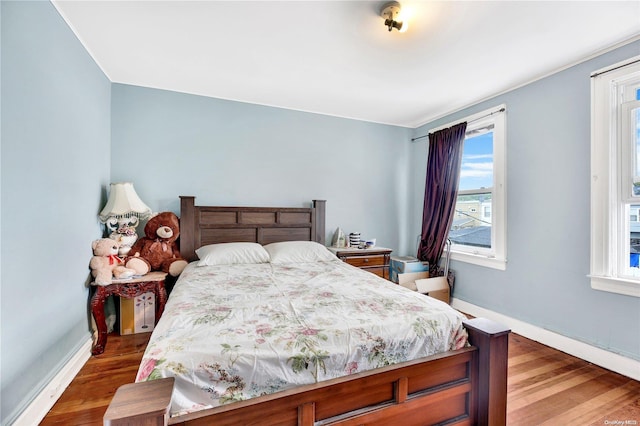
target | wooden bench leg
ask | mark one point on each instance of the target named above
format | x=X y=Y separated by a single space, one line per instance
x=97 y=310
x=143 y=404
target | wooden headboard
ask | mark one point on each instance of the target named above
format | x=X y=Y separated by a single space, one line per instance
x=202 y=225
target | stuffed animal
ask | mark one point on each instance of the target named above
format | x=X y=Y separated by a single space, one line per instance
x=105 y=263
x=157 y=250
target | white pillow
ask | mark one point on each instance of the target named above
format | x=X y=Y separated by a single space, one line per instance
x=231 y=253
x=299 y=252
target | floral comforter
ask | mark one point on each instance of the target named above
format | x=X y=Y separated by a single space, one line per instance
x=234 y=332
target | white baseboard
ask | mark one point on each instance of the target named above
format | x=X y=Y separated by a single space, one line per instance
x=42 y=403
x=609 y=360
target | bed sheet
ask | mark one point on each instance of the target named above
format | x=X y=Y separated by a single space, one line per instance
x=233 y=332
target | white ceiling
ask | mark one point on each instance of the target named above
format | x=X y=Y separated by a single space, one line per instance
x=337 y=57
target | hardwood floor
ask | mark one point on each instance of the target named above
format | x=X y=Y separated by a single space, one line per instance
x=548 y=387
x=545 y=387
x=87 y=397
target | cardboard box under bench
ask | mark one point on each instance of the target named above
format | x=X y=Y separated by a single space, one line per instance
x=437 y=287
x=137 y=315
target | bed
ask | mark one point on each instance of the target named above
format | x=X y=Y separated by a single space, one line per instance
x=294 y=336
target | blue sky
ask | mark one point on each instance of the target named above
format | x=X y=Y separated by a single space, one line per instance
x=477 y=162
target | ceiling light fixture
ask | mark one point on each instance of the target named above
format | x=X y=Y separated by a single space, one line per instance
x=391 y=13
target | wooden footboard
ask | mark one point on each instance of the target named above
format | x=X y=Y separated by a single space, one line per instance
x=465 y=387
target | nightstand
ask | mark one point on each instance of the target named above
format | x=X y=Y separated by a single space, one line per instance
x=129 y=288
x=375 y=259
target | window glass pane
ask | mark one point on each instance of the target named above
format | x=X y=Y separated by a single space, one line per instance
x=634 y=240
x=635 y=123
x=476 y=170
x=472 y=218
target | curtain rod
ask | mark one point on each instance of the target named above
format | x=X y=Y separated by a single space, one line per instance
x=476 y=119
x=595 y=74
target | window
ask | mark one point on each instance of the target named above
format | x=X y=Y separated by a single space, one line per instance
x=478 y=231
x=615 y=181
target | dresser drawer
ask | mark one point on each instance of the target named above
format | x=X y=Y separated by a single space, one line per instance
x=374 y=260
x=381 y=271
x=366 y=261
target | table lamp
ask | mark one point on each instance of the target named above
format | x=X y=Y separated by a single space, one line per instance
x=122 y=213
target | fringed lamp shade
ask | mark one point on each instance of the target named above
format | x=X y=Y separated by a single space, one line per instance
x=122 y=213
x=123 y=202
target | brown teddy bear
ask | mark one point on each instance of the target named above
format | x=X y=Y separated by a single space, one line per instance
x=157 y=250
x=105 y=263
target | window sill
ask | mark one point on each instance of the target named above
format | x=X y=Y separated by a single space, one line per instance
x=480 y=260
x=615 y=285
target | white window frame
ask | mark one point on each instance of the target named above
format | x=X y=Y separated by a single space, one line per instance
x=496 y=257
x=610 y=177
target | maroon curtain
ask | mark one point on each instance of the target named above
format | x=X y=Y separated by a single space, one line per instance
x=441 y=191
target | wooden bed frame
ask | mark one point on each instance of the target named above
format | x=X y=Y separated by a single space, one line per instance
x=463 y=387
x=202 y=225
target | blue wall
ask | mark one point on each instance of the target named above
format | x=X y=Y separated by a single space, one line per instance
x=232 y=153
x=548 y=209
x=55 y=164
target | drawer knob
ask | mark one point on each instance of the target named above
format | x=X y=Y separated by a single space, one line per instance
x=366 y=260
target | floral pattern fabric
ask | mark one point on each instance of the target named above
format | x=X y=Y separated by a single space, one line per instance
x=233 y=332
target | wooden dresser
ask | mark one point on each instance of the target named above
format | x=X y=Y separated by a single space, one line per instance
x=375 y=260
